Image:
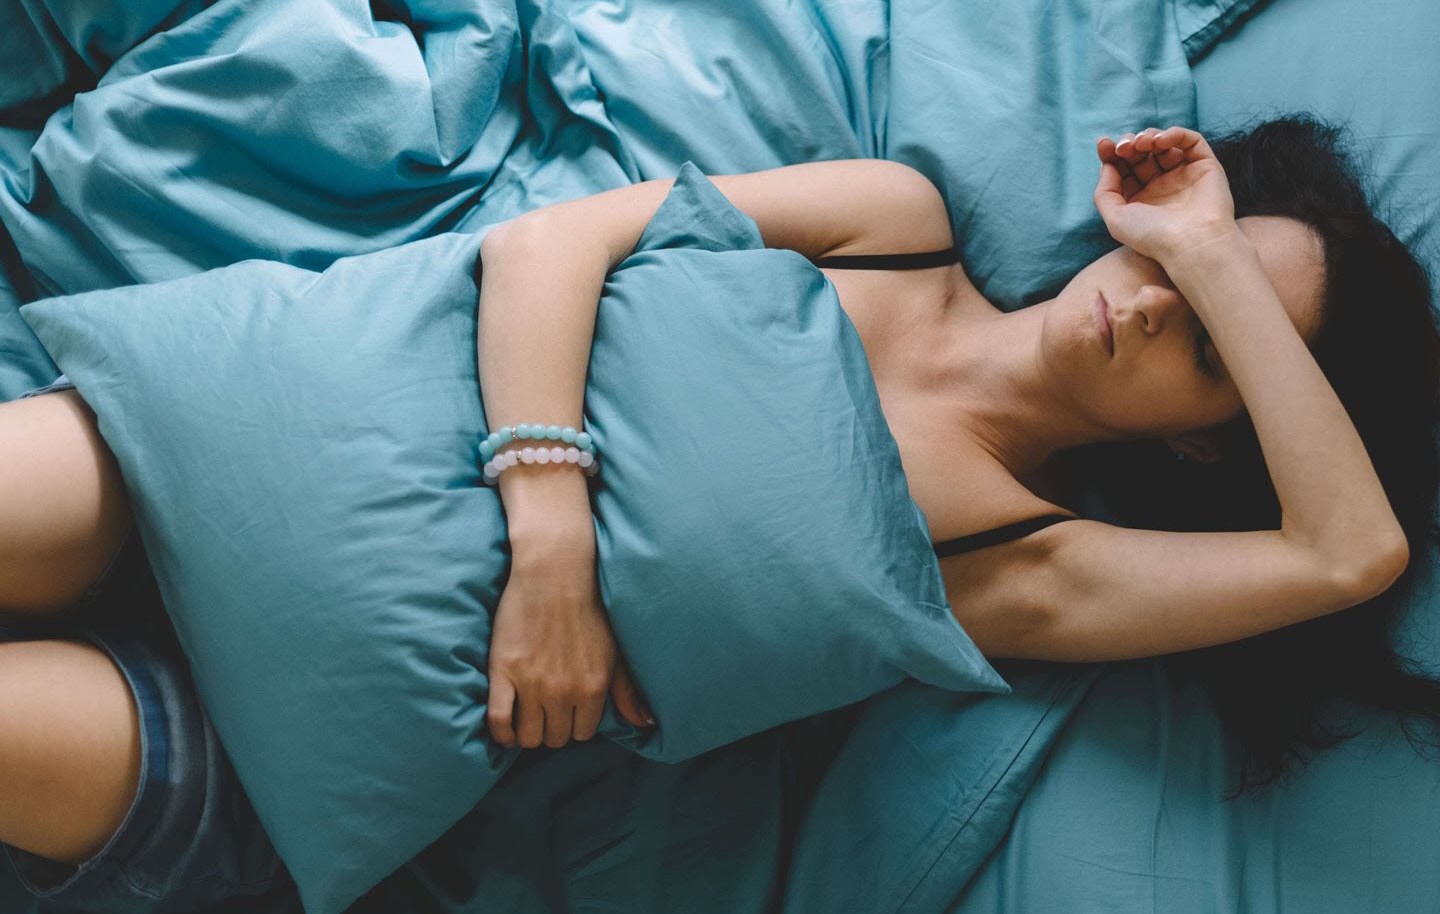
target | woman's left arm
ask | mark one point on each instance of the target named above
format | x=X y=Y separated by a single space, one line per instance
x=1330 y=497
x=1164 y=193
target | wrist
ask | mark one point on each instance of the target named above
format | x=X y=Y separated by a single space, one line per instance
x=546 y=506
x=559 y=552
x=1211 y=252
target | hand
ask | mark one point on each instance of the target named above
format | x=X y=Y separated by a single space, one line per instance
x=553 y=655
x=1163 y=191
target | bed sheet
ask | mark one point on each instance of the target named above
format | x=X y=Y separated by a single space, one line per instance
x=1126 y=815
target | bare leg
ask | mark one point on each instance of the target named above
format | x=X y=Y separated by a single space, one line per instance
x=63 y=508
x=69 y=748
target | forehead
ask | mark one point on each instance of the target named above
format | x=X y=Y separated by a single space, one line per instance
x=1293 y=257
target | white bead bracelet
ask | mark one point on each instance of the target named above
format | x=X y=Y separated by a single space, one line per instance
x=503 y=461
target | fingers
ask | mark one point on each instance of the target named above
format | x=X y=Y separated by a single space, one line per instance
x=1171 y=146
x=558 y=724
x=627 y=698
x=1140 y=157
x=587 y=717
x=1191 y=143
x=514 y=721
x=500 y=709
x=529 y=721
x=1170 y=158
x=1128 y=183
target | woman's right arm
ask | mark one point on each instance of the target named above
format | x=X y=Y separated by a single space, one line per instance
x=541 y=281
x=543 y=273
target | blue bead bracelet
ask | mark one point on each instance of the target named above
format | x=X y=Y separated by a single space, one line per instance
x=507 y=434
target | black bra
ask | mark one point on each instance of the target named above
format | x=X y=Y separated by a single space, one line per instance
x=999 y=534
x=891 y=261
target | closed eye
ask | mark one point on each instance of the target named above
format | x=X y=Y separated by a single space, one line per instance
x=1201 y=361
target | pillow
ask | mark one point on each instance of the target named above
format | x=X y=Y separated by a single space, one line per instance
x=759 y=552
x=301 y=454
x=1002 y=109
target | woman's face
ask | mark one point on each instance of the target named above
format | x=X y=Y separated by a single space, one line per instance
x=1156 y=385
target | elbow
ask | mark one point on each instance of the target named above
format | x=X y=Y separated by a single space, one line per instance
x=506 y=233
x=1376 y=576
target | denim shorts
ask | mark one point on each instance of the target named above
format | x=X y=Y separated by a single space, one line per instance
x=191 y=842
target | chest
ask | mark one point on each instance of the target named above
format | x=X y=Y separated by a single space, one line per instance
x=956 y=483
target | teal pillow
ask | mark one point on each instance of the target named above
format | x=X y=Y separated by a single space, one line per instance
x=1000 y=105
x=301 y=454
x=759 y=552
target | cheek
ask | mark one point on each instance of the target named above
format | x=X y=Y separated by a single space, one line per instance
x=1165 y=388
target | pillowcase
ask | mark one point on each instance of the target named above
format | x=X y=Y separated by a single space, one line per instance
x=1002 y=110
x=1202 y=22
x=759 y=552
x=301 y=452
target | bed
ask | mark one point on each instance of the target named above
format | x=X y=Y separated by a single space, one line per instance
x=1086 y=788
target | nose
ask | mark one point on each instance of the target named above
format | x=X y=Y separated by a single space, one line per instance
x=1156 y=305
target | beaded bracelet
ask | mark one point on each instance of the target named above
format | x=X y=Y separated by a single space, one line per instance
x=502 y=462
x=582 y=450
x=507 y=434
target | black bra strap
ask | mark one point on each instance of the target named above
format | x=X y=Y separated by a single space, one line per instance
x=999 y=534
x=914 y=261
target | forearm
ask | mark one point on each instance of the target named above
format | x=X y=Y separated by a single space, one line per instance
x=538 y=299
x=1331 y=499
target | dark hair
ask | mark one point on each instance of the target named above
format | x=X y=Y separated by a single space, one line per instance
x=1379 y=347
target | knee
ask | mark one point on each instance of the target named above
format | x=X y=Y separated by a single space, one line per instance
x=63 y=508
x=70 y=748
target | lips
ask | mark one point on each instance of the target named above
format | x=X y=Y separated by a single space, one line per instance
x=1102 y=323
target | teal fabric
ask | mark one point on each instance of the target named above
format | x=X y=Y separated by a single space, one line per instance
x=760 y=562
x=1203 y=22
x=50 y=50
x=300 y=455
x=1127 y=815
x=24 y=363
x=728 y=86
x=591 y=827
x=306 y=132
x=954 y=769
x=1000 y=105
x=458 y=118
x=301 y=449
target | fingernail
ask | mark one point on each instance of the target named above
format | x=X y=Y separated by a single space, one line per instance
x=649 y=720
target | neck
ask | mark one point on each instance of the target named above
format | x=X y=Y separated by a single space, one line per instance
x=978 y=370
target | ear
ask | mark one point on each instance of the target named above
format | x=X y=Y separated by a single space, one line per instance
x=1201 y=446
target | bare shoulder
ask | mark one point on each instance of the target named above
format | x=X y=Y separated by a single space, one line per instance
x=906 y=213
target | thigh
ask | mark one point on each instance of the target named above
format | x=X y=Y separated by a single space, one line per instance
x=69 y=748
x=189 y=841
x=63 y=509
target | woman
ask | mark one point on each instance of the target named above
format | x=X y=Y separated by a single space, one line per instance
x=982 y=404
